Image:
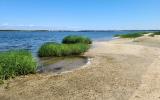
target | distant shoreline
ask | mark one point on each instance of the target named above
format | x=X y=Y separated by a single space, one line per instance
x=75 y=31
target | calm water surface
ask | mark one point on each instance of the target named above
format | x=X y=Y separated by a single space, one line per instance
x=33 y=40
x=61 y=64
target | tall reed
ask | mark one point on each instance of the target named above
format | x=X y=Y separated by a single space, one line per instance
x=54 y=49
x=71 y=39
x=16 y=62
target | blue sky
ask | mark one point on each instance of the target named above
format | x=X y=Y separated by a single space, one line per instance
x=80 y=14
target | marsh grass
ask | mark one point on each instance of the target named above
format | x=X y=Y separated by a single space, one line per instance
x=76 y=39
x=151 y=35
x=130 y=35
x=117 y=35
x=16 y=62
x=54 y=49
x=143 y=32
x=155 y=33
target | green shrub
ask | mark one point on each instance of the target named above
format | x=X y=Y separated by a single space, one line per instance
x=1 y=81
x=76 y=39
x=54 y=49
x=130 y=35
x=156 y=33
x=116 y=35
x=143 y=32
x=151 y=35
x=15 y=63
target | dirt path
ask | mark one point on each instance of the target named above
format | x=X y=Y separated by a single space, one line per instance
x=119 y=70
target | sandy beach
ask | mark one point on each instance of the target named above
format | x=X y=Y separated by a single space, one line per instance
x=121 y=69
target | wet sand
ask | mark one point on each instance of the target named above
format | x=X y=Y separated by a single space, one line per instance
x=122 y=69
x=61 y=64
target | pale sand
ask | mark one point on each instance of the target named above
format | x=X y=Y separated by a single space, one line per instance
x=119 y=70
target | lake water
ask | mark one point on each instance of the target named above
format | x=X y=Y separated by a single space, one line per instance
x=31 y=40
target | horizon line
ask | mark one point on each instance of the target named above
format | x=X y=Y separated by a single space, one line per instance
x=83 y=30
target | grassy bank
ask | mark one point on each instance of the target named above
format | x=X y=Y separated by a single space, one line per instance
x=131 y=35
x=19 y=62
x=155 y=33
x=15 y=63
x=54 y=49
x=135 y=35
x=76 y=39
x=71 y=45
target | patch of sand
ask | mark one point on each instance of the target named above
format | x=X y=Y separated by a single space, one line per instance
x=148 y=41
x=119 y=70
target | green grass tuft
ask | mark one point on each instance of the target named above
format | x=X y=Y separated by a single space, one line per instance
x=116 y=35
x=156 y=33
x=76 y=39
x=151 y=35
x=1 y=82
x=142 y=32
x=15 y=63
x=54 y=49
x=130 y=35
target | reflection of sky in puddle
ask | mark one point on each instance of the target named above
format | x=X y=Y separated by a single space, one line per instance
x=61 y=64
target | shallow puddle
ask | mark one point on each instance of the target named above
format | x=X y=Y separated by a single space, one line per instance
x=61 y=64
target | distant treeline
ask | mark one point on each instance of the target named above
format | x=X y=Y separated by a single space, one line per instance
x=78 y=30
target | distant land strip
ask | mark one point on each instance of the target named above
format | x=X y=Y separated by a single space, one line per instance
x=77 y=30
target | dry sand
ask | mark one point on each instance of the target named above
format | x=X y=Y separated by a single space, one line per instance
x=121 y=69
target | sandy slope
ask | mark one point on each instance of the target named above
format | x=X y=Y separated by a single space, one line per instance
x=119 y=70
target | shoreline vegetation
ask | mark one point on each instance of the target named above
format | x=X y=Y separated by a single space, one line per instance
x=20 y=62
x=72 y=39
x=58 y=50
x=71 y=45
x=15 y=63
x=79 y=30
x=119 y=70
x=136 y=35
